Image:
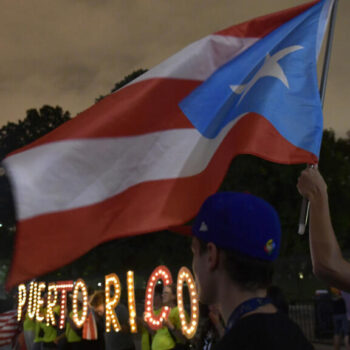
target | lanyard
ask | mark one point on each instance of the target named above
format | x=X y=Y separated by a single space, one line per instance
x=242 y=309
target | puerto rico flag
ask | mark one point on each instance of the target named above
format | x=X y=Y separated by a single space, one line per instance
x=145 y=157
x=9 y=328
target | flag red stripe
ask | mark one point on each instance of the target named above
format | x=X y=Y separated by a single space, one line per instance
x=156 y=204
x=262 y=26
x=132 y=111
x=8 y=323
x=7 y=315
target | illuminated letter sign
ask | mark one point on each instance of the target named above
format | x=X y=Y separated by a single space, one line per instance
x=64 y=287
x=40 y=301
x=52 y=296
x=160 y=273
x=188 y=330
x=35 y=301
x=80 y=285
x=33 y=287
x=22 y=297
x=131 y=301
x=111 y=303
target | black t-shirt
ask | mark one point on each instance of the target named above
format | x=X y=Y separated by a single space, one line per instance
x=339 y=307
x=264 y=331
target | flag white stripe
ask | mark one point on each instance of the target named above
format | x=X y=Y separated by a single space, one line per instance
x=75 y=173
x=8 y=320
x=9 y=327
x=11 y=323
x=7 y=315
x=2 y=324
x=6 y=334
x=199 y=60
x=5 y=342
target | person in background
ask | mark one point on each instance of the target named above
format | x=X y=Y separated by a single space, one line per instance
x=147 y=332
x=29 y=331
x=50 y=332
x=168 y=336
x=340 y=322
x=346 y=297
x=91 y=293
x=97 y=310
x=236 y=239
x=39 y=334
x=61 y=340
x=327 y=259
x=73 y=333
x=278 y=299
x=123 y=339
x=210 y=329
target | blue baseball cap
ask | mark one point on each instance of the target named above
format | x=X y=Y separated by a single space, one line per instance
x=239 y=222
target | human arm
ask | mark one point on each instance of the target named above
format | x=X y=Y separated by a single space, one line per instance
x=176 y=332
x=123 y=318
x=143 y=324
x=125 y=328
x=72 y=323
x=59 y=337
x=327 y=259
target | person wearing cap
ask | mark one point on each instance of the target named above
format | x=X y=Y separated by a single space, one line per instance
x=236 y=239
x=327 y=259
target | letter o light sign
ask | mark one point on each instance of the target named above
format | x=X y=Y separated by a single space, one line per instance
x=188 y=329
x=159 y=273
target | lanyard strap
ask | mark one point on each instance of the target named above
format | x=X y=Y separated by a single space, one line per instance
x=242 y=309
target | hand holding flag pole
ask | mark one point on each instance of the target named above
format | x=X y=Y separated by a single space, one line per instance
x=305 y=205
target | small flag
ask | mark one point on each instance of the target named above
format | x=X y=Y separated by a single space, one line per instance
x=9 y=327
x=90 y=327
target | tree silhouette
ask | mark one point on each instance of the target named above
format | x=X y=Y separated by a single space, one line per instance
x=126 y=80
x=12 y=137
x=33 y=126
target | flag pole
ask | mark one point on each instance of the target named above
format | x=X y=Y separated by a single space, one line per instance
x=305 y=205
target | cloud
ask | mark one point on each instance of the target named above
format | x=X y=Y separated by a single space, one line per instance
x=69 y=52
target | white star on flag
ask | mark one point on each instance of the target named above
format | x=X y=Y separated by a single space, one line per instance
x=270 y=68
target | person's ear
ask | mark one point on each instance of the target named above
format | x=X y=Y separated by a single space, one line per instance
x=212 y=256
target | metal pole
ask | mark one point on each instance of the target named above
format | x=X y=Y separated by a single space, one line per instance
x=327 y=58
x=305 y=205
